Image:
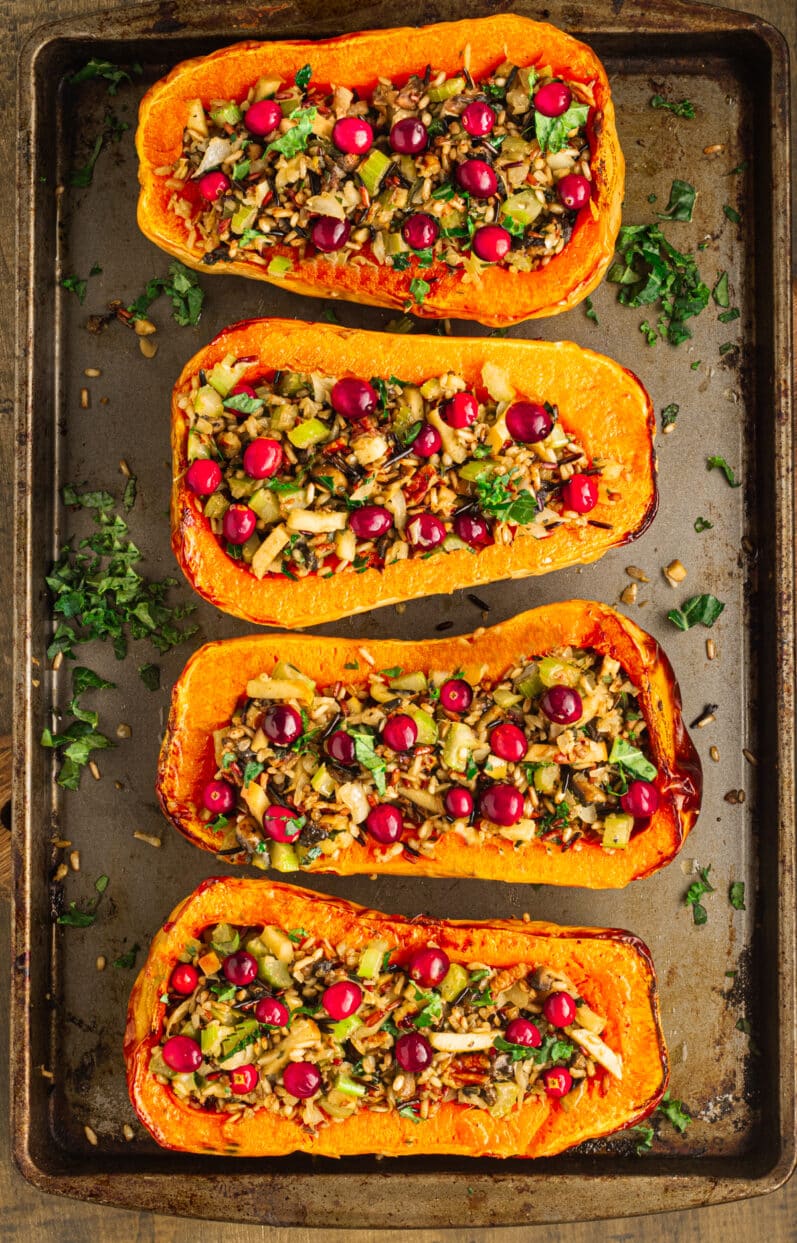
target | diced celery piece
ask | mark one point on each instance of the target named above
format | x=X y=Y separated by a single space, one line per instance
x=555 y=672
x=395 y=244
x=371 y=958
x=280 y=265
x=506 y=699
x=216 y=505
x=249 y=549
x=495 y=767
x=475 y=470
x=323 y=782
x=241 y=487
x=344 y=1084
x=227 y=114
x=224 y=376
x=290 y=383
x=265 y=87
x=277 y=942
x=546 y=779
x=225 y=940
x=198 y=446
x=531 y=684
x=210 y=1039
x=284 y=858
x=309 y=432
x=427 y=727
x=458 y=744
x=243 y=218
x=208 y=403
x=557 y=439
x=290 y=102
x=456 y=978
x=506 y=1097
x=344 y=1028
x=617 y=829
x=265 y=504
x=452 y=543
x=454 y=86
x=373 y=169
x=288 y=672
x=523 y=207
x=270 y=968
x=241 y=1032
x=409 y=682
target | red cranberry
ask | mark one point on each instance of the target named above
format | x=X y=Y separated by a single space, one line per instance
x=263 y=117
x=409 y=136
x=428 y=441
x=184 y=979
x=282 y=724
x=508 y=742
x=340 y=746
x=574 y=191
x=477 y=178
x=301 y=1079
x=528 y=422
x=371 y=521
x=458 y=803
x=244 y=390
x=558 y=1081
x=212 y=185
x=456 y=695
x=492 y=243
x=580 y=493
x=327 y=233
x=425 y=531
x=420 y=231
x=562 y=704
x=240 y=968
x=553 y=99
x=203 y=476
x=244 y=1079
x=559 y=1009
x=478 y=119
x=272 y=1012
x=342 y=999
x=473 y=529
x=384 y=823
x=262 y=457
x=182 y=1054
x=353 y=135
x=218 y=797
x=428 y=967
x=461 y=410
x=399 y=732
x=281 y=824
x=238 y=524
x=640 y=800
x=354 y=399
x=523 y=1031
x=502 y=804
x=413 y=1052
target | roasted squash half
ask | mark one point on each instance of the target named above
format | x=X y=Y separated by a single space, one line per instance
x=499 y=296
x=215 y=680
x=611 y=970
x=603 y=405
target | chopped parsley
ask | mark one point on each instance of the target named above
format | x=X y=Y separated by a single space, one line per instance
x=653 y=271
x=302 y=78
x=669 y=414
x=127 y=961
x=181 y=286
x=736 y=895
x=295 y=139
x=703 y=524
x=682 y=202
x=151 y=676
x=685 y=108
x=77 y=742
x=366 y=755
x=113 y=129
x=590 y=311
x=77 y=286
x=697 y=890
x=675 y=1112
x=732 y=214
x=632 y=759
x=719 y=463
x=721 y=293
x=113 y=74
x=419 y=289
x=698 y=610
x=552 y=132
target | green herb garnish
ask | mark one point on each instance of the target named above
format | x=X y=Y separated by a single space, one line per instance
x=181 y=286
x=736 y=895
x=632 y=759
x=113 y=74
x=719 y=463
x=699 y=610
x=151 y=676
x=295 y=139
x=682 y=202
x=127 y=961
x=669 y=414
x=694 y=893
x=653 y=271
x=703 y=524
x=683 y=109
x=675 y=1112
x=552 y=132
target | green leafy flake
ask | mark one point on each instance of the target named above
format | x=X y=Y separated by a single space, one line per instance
x=669 y=414
x=113 y=74
x=698 y=610
x=76 y=286
x=632 y=759
x=682 y=202
x=727 y=317
x=182 y=287
x=727 y=346
x=297 y=935
x=682 y=109
x=393 y=672
x=127 y=961
x=649 y=332
x=352 y=664
x=75 y=918
x=101 y=883
x=241 y=170
x=302 y=78
x=738 y=169
x=331 y=315
x=129 y=494
x=295 y=139
x=419 y=289
x=645 y=1133
x=498 y=498
x=718 y=463
x=695 y=892
x=151 y=676
x=694 y=366
x=675 y=1112
x=721 y=293
x=431 y=1010
x=732 y=214
x=652 y=271
x=252 y=771
x=652 y=198
x=366 y=755
x=410 y=1111
x=242 y=403
x=112 y=129
x=703 y=524
x=590 y=311
x=736 y=895
x=552 y=132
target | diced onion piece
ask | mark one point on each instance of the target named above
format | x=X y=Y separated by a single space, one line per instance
x=256 y=800
x=311 y=521
x=589 y=1019
x=461 y=1042
x=197 y=124
x=496 y=381
x=325 y=205
x=423 y=799
x=451 y=444
x=397 y=504
x=268 y=551
x=216 y=153
x=598 y=1050
x=523 y=831
x=369 y=448
x=353 y=796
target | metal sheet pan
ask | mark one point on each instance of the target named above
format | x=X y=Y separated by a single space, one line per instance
x=67 y=1016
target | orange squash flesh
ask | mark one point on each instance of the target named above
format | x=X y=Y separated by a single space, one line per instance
x=602 y=404
x=209 y=687
x=611 y=969
x=357 y=60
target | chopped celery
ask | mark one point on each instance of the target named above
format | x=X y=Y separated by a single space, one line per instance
x=410 y=682
x=343 y=1029
x=240 y=1033
x=452 y=543
x=322 y=782
x=458 y=744
x=555 y=672
x=283 y=669
x=240 y=488
x=373 y=169
x=270 y=968
x=309 y=432
x=395 y=244
x=495 y=767
x=265 y=504
x=227 y=114
x=208 y=403
x=290 y=383
x=476 y=470
x=349 y=1086
x=284 y=858
x=617 y=830
x=454 y=86
x=371 y=958
x=280 y=265
x=506 y=699
x=210 y=1039
x=198 y=446
x=224 y=376
x=546 y=778
x=249 y=549
x=243 y=218
x=427 y=728
x=531 y=684
x=557 y=439
x=456 y=978
x=506 y=1097
x=523 y=208
x=216 y=505
x=277 y=943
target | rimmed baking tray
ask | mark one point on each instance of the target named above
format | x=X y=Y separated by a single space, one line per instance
x=67 y=1016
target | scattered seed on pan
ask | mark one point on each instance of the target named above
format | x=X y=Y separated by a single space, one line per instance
x=60 y=872
x=711 y=649
x=149 y=838
x=101 y=962
x=128 y=1131
x=714 y=149
x=74 y=860
x=58 y=660
x=735 y=796
x=144 y=328
x=748 y=755
x=675 y=572
x=124 y=468
x=85 y=399
x=45 y=1073
x=633 y=571
x=148 y=348
x=479 y=603
x=92 y=373
x=444 y=625
x=91 y=1136
x=94 y=770
x=706 y=717
x=629 y=594
x=123 y=731
x=714 y=752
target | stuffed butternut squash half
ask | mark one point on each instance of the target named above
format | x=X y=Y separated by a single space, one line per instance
x=547 y=749
x=468 y=169
x=321 y=471
x=269 y=1020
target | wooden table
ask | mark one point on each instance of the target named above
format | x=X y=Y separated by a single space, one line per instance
x=29 y=1215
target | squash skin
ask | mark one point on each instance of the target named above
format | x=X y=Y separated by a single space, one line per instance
x=501 y=297
x=612 y=968
x=208 y=688
x=602 y=403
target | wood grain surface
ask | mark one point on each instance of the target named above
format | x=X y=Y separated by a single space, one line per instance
x=28 y=1215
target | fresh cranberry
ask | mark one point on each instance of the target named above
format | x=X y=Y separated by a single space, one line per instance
x=425 y=531
x=281 y=823
x=413 y=1052
x=640 y=800
x=301 y=1079
x=409 y=136
x=353 y=135
x=272 y=1012
x=473 y=529
x=428 y=967
x=580 y=493
x=184 y=979
x=353 y=398
x=342 y=999
x=340 y=747
x=456 y=695
x=559 y=1009
x=477 y=178
x=244 y=390
x=212 y=185
x=182 y=1054
x=508 y=742
x=263 y=117
x=240 y=968
x=371 y=521
x=562 y=704
x=203 y=476
x=218 y=797
x=262 y=457
x=428 y=441
x=461 y=410
x=328 y=233
x=282 y=724
x=420 y=231
x=574 y=191
x=553 y=99
x=492 y=243
x=523 y=1031
x=244 y=1079
x=399 y=732
x=528 y=422
x=558 y=1081
x=458 y=803
x=478 y=119
x=502 y=804
x=384 y=823
x=238 y=524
